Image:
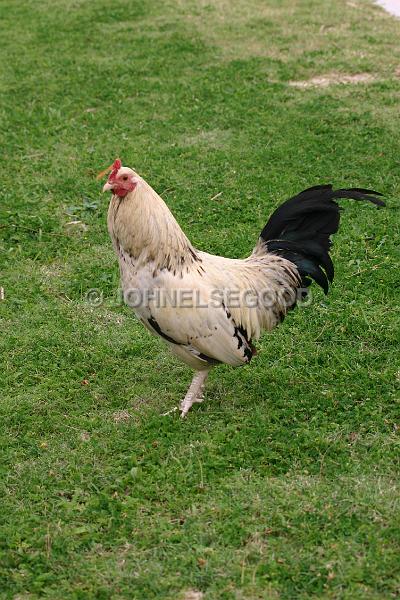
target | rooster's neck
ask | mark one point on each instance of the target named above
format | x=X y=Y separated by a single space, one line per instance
x=142 y=226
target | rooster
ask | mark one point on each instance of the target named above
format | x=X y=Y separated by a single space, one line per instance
x=210 y=309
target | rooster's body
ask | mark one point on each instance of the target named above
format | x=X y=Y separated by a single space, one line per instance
x=209 y=308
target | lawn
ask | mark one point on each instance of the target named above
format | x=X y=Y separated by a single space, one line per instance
x=284 y=483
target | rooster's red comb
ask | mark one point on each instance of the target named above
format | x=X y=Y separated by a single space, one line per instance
x=114 y=168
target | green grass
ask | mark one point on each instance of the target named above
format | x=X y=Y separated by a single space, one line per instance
x=284 y=483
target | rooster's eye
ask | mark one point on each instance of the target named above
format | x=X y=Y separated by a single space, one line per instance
x=125 y=177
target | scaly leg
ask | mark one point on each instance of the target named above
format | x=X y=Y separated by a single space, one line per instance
x=194 y=392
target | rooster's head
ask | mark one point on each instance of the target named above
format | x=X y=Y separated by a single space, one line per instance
x=121 y=180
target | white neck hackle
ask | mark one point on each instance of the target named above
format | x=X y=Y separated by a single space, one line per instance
x=144 y=227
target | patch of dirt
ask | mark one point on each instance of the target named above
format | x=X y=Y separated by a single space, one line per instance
x=324 y=81
x=121 y=416
x=52 y=270
x=192 y=595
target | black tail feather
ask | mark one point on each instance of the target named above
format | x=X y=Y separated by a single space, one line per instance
x=363 y=191
x=300 y=229
x=359 y=194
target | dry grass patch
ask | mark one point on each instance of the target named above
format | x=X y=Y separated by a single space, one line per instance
x=323 y=81
x=214 y=138
x=51 y=270
x=121 y=416
x=192 y=595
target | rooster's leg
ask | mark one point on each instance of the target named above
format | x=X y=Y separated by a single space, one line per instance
x=194 y=392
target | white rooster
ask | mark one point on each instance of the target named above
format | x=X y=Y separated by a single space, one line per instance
x=209 y=308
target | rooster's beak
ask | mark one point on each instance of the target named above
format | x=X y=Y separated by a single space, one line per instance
x=108 y=187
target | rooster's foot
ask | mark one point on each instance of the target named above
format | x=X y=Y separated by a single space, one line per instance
x=186 y=405
x=194 y=392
